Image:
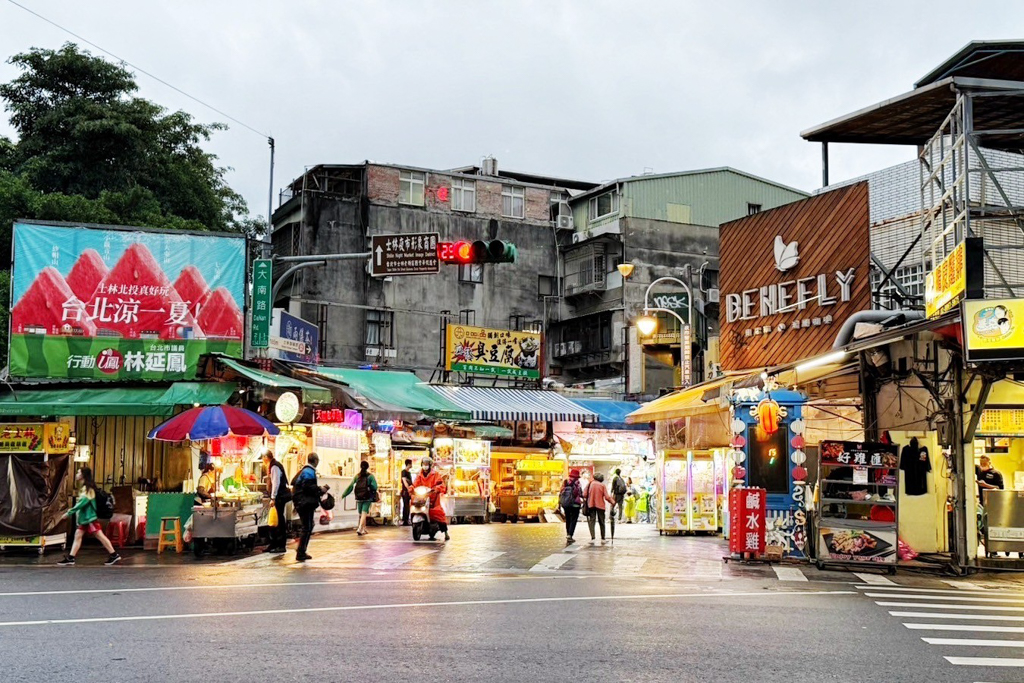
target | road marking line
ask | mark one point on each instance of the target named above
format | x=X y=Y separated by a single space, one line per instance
x=957 y=598
x=789 y=573
x=964 y=585
x=941 y=591
x=965 y=627
x=940 y=615
x=252 y=559
x=404 y=558
x=985 y=661
x=936 y=605
x=628 y=564
x=552 y=562
x=874 y=579
x=408 y=605
x=974 y=642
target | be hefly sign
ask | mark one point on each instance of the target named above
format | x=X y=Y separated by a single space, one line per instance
x=791 y=276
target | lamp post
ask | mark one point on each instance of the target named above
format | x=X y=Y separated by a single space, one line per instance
x=647 y=323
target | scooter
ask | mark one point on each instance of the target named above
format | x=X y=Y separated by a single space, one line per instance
x=419 y=517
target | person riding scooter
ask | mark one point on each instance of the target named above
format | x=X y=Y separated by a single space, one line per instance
x=432 y=479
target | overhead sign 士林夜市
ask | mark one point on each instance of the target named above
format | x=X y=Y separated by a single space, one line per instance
x=787 y=283
x=405 y=254
x=994 y=329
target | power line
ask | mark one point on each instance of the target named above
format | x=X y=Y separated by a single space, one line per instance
x=140 y=70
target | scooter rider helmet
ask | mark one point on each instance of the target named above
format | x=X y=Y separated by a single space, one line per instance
x=427 y=462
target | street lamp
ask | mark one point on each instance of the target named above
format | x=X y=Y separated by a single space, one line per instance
x=646 y=324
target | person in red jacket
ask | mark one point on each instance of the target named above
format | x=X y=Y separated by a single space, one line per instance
x=597 y=497
x=432 y=479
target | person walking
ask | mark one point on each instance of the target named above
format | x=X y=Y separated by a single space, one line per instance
x=280 y=494
x=619 y=493
x=643 y=505
x=406 y=491
x=598 y=500
x=571 y=499
x=365 y=488
x=84 y=511
x=307 y=495
x=630 y=502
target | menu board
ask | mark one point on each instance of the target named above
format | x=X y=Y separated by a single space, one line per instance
x=850 y=543
x=858 y=453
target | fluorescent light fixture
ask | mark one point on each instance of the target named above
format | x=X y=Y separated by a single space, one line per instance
x=827 y=359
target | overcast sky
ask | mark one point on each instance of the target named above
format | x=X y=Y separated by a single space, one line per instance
x=585 y=89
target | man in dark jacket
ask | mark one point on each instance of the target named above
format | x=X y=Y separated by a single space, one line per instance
x=619 y=493
x=279 y=497
x=306 y=500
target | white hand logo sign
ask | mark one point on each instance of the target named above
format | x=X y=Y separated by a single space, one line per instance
x=786 y=256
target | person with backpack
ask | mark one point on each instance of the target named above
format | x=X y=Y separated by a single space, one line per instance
x=280 y=494
x=306 y=496
x=619 y=492
x=570 y=499
x=365 y=488
x=86 y=515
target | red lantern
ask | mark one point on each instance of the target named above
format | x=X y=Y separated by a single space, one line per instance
x=799 y=473
x=739 y=472
x=798 y=442
x=738 y=441
x=768 y=416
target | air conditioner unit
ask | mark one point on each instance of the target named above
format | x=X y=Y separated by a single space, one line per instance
x=714 y=296
x=564 y=222
x=577 y=237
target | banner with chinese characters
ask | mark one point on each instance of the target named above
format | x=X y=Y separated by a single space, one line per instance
x=484 y=351
x=747 y=520
x=994 y=329
x=859 y=453
x=123 y=304
x=21 y=438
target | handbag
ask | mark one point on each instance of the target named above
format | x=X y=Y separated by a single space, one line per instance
x=272 y=517
x=327 y=503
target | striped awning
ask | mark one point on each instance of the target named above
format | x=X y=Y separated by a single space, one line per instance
x=495 y=404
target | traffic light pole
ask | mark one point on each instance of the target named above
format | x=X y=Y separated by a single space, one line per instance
x=302 y=262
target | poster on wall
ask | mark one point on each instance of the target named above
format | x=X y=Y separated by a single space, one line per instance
x=123 y=304
x=485 y=351
x=850 y=543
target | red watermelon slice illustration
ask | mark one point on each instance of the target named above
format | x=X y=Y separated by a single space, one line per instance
x=221 y=318
x=50 y=307
x=192 y=288
x=136 y=301
x=88 y=271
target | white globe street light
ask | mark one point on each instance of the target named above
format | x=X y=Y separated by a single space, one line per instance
x=646 y=324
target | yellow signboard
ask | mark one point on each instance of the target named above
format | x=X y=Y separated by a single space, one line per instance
x=945 y=286
x=994 y=329
x=57 y=437
x=485 y=351
x=21 y=438
x=1001 y=422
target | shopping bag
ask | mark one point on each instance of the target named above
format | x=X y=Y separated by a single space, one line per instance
x=272 y=517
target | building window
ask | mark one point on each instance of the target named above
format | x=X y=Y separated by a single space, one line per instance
x=545 y=285
x=911 y=278
x=557 y=200
x=604 y=205
x=379 y=328
x=753 y=208
x=463 y=195
x=471 y=272
x=513 y=201
x=410 y=187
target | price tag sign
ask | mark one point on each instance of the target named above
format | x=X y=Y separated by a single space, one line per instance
x=860 y=475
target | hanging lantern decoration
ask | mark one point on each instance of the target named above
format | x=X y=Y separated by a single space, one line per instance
x=799 y=473
x=738 y=441
x=739 y=472
x=768 y=416
x=798 y=457
x=738 y=427
x=798 y=441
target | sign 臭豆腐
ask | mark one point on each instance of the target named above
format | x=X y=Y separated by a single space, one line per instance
x=485 y=351
x=994 y=329
x=99 y=303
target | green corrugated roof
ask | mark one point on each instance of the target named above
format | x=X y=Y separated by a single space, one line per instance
x=126 y=401
x=311 y=393
x=397 y=388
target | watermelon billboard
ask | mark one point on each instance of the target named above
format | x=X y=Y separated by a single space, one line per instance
x=122 y=303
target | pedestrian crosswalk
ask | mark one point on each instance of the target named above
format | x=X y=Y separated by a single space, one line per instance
x=968 y=624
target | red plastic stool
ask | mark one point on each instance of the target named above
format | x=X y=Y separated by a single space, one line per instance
x=117 y=533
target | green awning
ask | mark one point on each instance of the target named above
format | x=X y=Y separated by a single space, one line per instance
x=311 y=393
x=396 y=388
x=125 y=401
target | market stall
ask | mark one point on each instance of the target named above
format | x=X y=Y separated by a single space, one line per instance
x=537 y=483
x=466 y=463
x=341 y=449
x=34 y=467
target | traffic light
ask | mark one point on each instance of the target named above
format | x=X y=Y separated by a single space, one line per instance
x=494 y=251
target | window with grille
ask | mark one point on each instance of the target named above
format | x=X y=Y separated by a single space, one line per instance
x=411 y=186
x=513 y=201
x=379 y=328
x=911 y=278
x=463 y=195
x=556 y=201
x=753 y=208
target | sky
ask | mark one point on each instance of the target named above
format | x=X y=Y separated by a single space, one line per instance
x=582 y=89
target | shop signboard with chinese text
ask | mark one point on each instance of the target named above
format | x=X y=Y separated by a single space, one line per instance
x=1001 y=422
x=21 y=438
x=123 y=304
x=262 y=303
x=788 y=280
x=957 y=276
x=485 y=351
x=994 y=329
x=294 y=339
x=747 y=520
x=410 y=254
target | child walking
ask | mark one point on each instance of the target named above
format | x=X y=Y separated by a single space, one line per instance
x=84 y=511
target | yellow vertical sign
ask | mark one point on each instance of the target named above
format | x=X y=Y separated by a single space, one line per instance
x=946 y=284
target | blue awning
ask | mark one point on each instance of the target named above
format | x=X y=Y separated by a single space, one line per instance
x=611 y=414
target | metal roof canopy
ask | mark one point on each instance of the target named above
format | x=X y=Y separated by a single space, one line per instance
x=1001 y=59
x=913 y=117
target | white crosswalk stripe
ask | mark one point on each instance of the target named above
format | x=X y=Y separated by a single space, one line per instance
x=552 y=562
x=964 y=585
x=985 y=661
x=933 y=605
x=874 y=579
x=789 y=573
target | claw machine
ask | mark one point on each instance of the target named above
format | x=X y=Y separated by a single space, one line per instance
x=674 y=482
x=694 y=489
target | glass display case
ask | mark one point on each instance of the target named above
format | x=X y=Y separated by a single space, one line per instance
x=469 y=484
x=674 y=476
x=537 y=485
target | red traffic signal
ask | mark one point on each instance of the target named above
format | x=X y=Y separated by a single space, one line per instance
x=494 y=251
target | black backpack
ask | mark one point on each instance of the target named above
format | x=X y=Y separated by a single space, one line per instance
x=619 y=487
x=362 y=488
x=104 y=504
x=567 y=498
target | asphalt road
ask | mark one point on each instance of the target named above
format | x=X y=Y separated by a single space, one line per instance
x=419 y=614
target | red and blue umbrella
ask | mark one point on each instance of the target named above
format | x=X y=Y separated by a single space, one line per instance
x=212 y=422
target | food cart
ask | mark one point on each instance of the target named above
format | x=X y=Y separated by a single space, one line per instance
x=467 y=465
x=231 y=520
x=538 y=482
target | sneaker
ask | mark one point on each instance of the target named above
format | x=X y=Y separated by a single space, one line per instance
x=570 y=541
x=68 y=561
x=447 y=537
x=113 y=559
